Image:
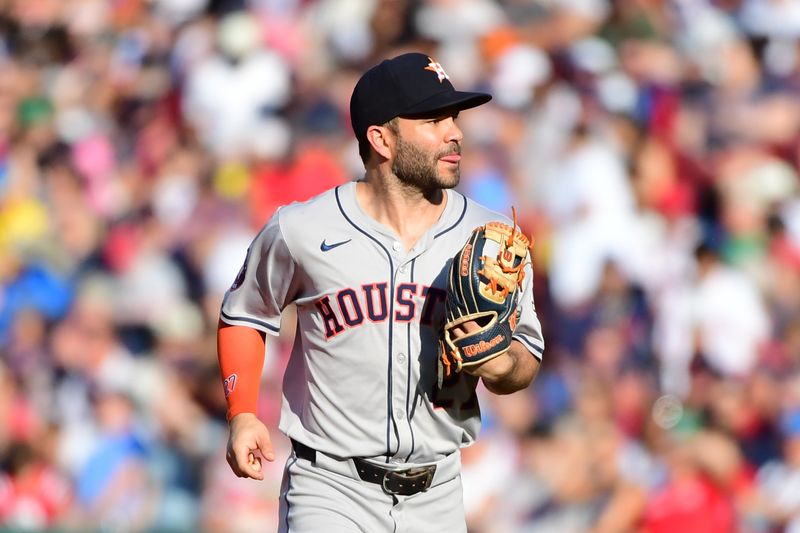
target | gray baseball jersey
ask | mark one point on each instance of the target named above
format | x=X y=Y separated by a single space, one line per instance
x=362 y=377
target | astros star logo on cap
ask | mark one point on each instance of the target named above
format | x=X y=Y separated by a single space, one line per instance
x=433 y=66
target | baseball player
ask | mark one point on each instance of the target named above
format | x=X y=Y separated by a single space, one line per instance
x=375 y=419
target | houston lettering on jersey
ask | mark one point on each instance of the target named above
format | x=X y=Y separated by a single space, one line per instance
x=350 y=308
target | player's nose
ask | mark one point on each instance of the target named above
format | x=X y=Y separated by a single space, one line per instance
x=453 y=132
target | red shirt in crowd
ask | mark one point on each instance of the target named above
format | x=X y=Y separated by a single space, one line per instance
x=690 y=505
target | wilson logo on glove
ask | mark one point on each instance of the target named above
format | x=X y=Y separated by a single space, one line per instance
x=475 y=349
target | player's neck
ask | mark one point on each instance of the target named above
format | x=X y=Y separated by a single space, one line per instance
x=408 y=212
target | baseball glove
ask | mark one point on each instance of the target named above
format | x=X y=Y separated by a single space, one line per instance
x=483 y=285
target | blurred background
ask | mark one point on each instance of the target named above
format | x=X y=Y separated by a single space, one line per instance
x=651 y=147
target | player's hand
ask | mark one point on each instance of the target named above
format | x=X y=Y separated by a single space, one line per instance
x=248 y=443
x=494 y=369
x=491 y=370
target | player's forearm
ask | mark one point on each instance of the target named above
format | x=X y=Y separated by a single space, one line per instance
x=511 y=372
x=241 y=358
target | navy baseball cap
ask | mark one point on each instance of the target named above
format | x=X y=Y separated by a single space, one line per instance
x=407 y=85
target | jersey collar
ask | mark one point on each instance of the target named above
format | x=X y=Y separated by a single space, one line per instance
x=451 y=216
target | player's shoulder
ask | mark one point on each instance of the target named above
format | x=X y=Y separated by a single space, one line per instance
x=308 y=210
x=309 y=220
x=477 y=214
x=301 y=218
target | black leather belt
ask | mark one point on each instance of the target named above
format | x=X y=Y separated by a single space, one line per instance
x=401 y=482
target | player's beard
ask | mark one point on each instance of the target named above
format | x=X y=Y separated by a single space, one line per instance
x=419 y=168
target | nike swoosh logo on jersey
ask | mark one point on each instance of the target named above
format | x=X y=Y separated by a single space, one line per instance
x=325 y=247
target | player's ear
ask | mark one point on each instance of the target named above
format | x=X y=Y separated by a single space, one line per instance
x=382 y=140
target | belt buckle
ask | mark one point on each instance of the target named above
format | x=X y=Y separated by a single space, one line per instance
x=411 y=474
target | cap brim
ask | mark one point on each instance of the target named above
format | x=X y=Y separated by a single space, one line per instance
x=457 y=100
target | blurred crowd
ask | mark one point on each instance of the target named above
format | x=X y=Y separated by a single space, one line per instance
x=651 y=147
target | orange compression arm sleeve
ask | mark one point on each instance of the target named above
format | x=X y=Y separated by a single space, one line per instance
x=241 y=358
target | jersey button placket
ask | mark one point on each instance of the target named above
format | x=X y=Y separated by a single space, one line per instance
x=400 y=367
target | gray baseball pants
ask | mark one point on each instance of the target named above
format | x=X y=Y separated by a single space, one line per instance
x=328 y=496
